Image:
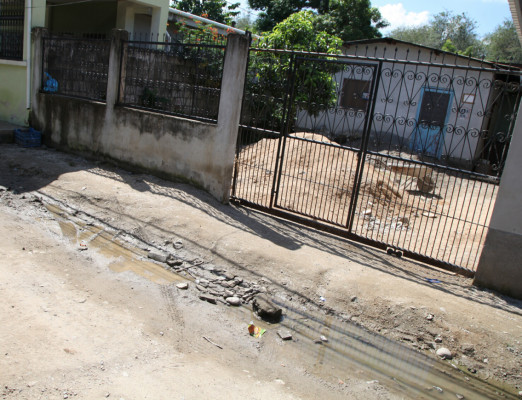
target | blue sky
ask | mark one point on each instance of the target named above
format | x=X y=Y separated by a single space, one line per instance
x=487 y=13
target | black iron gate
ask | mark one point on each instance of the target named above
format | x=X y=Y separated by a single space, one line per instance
x=404 y=155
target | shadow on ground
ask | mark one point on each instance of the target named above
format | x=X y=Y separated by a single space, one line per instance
x=29 y=170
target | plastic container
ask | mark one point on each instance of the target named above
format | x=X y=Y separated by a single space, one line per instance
x=28 y=137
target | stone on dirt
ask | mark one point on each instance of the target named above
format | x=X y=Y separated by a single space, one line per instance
x=206 y=297
x=157 y=256
x=182 y=286
x=233 y=301
x=444 y=353
x=468 y=349
x=266 y=310
x=285 y=335
x=174 y=262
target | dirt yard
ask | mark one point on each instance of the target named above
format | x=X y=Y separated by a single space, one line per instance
x=427 y=211
x=85 y=314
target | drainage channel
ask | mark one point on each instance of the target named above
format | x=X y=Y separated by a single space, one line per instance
x=345 y=346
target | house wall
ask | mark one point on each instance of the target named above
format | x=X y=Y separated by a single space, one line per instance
x=399 y=98
x=130 y=16
x=13 y=106
x=83 y=18
x=90 y=17
x=14 y=75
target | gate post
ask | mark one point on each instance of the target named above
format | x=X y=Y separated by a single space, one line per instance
x=230 y=101
x=500 y=265
x=118 y=36
x=37 y=35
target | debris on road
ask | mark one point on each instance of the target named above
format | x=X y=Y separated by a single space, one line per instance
x=285 y=335
x=266 y=310
x=214 y=343
x=255 y=331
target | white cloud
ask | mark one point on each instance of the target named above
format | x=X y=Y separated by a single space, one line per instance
x=397 y=16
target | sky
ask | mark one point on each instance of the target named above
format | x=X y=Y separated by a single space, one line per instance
x=487 y=13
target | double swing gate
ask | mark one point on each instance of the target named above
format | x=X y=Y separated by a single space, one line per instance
x=404 y=155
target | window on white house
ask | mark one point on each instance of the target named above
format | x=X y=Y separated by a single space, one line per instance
x=355 y=94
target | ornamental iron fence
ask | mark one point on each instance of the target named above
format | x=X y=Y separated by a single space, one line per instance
x=405 y=155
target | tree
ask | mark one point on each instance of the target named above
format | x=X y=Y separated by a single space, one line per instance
x=216 y=10
x=352 y=20
x=503 y=44
x=271 y=72
x=459 y=29
x=245 y=23
x=347 y=19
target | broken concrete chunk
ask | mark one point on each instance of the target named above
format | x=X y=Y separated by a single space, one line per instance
x=208 y=298
x=157 y=256
x=203 y=282
x=266 y=310
x=233 y=301
x=284 y=334
x=174 y=262
x=444 y=353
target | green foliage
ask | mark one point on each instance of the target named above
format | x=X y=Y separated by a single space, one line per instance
x=449 y=46
x=503 y=44
x=317 y=87
x=347 y=19
x=352 y=20
x=445 y=31
x=215 y=10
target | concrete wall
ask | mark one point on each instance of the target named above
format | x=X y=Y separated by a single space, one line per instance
x=13 y=107
x=198 y=152
x=500 y=265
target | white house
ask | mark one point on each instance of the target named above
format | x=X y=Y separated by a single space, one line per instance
x=427 y=101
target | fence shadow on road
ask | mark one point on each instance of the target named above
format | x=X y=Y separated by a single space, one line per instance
x=29 y=170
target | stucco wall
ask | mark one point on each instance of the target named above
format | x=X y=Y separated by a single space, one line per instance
x=159 y=143
x=500 y=265
x=13 y=106
x=13 y=74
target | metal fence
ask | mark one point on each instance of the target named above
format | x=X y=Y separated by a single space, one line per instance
x=12 y=29
x=406 y=155
x=75 y=67
x=180 y=77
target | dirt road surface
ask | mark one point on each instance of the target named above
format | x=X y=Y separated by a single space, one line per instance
x=84 y=314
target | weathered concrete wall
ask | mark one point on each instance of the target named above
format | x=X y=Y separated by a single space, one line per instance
x=198 y=152
x=500 y=265
x=13 y=81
